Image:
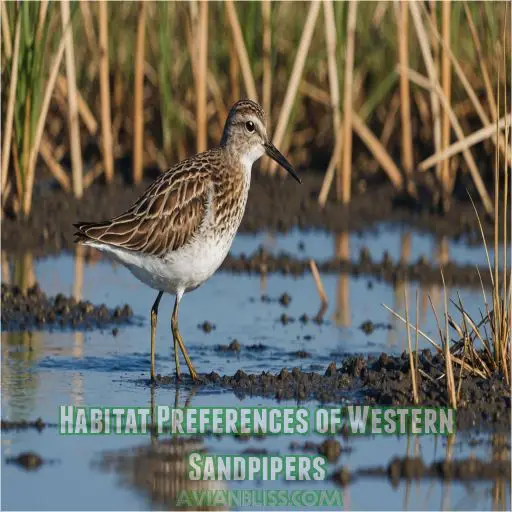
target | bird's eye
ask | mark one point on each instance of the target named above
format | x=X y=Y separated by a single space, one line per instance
x=250 y=126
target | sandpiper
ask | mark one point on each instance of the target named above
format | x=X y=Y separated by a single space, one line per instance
x=177 y=234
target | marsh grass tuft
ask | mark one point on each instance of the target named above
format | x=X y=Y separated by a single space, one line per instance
x=296 y=68
x=479 y=346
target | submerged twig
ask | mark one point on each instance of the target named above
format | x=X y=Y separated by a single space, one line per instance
x=318 y=282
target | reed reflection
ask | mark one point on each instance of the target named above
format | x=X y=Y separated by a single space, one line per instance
x=342 y=315
x=159 y=469
x=20 y=350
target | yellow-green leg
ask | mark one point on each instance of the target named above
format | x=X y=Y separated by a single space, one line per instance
x=179 y=340
x=154 y=316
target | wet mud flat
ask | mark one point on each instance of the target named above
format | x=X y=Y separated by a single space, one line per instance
x=159 y=469
x=383 y=380
x=274 y=204
x=422 y=271
x=414 y=468
x=38 y=424
x=33 y=309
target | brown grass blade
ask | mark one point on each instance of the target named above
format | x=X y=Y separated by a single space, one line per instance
x=334 y=86
x=74 y=126
x=450 y=380
x=405 y=95
x=106 y=116
x=318 y=282
x=55 y=168
x=241 y=50
x=83 y=109
x=138 y=96
x=446 y=81
x=216 y=92
x=90 y=33
x=411 y=357
x=455 y=148
x=473 y=97
x=93 y=174
x=434 y=87
x=11 y=100
x=343 y=188
x=416 y=344
x=483 y=65
x=34 y=151
x=6 y=33
x=43 y=9
x=390 y=122
x=295 y=78
x=474 y=371
x=331 y=168
x=267 y=61
x=378 y=151
x=431 y=71
x=315 y=93
x=201 y=78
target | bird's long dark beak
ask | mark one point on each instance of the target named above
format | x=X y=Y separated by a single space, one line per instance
x=274 y=153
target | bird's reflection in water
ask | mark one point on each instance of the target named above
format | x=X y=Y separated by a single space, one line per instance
x=159 y=469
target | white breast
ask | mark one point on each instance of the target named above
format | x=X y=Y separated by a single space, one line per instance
x=191 y=265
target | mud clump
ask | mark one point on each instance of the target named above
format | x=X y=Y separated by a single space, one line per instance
x=272 y=204
x=234 y=346
x=285 y=300
x=383 y=380
x=286 y=319
x=27 y=460
x=331 y=448
x=385 y=270
x=301 y=354
x=206 y=327
x=369 y=327
x=38 y=424
x=408 y=468
x=414 y=468
x=331 y=370
x=33 y=309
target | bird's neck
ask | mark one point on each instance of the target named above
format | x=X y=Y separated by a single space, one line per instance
x=243 y=157
x=231 y=188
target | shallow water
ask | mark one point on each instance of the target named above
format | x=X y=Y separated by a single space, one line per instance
x=399 y=243
x=43 y=370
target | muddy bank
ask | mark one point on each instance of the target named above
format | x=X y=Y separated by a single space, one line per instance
x=422 y=271
x=38 y=424
x=414 y=468
x=33 y=309
x=273 y=204
x=30 y=461
x=159 y=469
x=383 y=380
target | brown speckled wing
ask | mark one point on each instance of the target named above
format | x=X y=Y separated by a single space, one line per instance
x=163 y=219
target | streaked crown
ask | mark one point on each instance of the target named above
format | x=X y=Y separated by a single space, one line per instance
x=240 y=117
x=245 y=136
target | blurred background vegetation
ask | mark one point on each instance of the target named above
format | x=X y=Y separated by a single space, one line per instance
x=91 y=90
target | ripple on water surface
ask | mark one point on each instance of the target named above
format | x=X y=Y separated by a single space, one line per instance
x=42 y=370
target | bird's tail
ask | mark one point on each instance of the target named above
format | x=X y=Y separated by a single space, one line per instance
x=80 y=236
